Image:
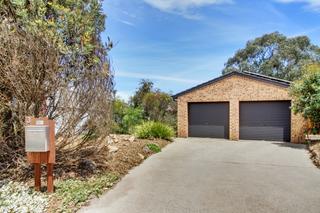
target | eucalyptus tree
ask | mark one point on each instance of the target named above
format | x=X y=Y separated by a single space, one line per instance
x=275 y=55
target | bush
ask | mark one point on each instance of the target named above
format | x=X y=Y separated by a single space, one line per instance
x=306 y=96
x=151 y=130
x=132 y=117
x=125 y=117
x=157 y=105
x=154 y=147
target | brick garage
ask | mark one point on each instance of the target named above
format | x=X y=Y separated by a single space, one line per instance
x=232 y=95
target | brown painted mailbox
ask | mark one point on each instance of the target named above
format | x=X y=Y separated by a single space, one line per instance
x=40 y=147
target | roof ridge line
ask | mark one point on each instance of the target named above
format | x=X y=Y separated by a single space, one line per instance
x=269 y=79
x=266 y=76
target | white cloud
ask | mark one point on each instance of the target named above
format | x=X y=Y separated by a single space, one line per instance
x=182 y=7
x=127 y=23
x=154 y=77
x=312 y=4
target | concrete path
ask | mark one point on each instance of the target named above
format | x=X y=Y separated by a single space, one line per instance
x=211 y=175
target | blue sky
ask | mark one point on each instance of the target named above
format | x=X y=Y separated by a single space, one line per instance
x=180 y=43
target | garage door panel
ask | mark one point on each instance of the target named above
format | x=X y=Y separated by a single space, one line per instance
x=274 y=133
x=209 y=120
x=209 y=131
x=265 y=120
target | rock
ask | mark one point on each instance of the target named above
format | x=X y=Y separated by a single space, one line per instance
x=141 y=156
x=86 y=167
x=146 y=150
x=109 y=140
x=132 y=138
x=112 y=148
x=72 y=174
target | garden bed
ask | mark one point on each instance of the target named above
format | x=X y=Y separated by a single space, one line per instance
x=314 y=149
x=73 y=190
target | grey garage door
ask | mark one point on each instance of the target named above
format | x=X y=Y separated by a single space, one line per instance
x=268 y=120
x=209 y=120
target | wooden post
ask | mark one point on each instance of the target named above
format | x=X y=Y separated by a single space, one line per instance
x=50 y=177
x=37 y=176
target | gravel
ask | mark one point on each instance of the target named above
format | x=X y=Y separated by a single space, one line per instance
x=18 y=197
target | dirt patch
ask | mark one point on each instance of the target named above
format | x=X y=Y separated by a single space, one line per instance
x=314 y=149
x=130 y=154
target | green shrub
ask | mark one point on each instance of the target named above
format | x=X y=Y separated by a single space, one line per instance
x=306 y=96
x=132 y=117
x=154 y=147
x=151 y=130
x=125 y=117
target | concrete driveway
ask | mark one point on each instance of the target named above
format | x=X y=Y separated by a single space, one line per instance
x=211 y=175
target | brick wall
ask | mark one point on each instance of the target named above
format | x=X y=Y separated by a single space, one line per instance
x=234 y=89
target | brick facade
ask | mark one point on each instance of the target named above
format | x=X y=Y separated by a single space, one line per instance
x=233 y=89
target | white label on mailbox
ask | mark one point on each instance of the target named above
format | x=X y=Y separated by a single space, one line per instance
x=39 y=122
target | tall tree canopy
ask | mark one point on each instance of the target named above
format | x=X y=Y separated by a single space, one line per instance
x=275 y=55
x=145 y=87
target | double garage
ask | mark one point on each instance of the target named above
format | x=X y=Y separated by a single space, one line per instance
x=244 y=106
x=261 y=120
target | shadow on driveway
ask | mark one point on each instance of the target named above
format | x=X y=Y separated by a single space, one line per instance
x=290 y=145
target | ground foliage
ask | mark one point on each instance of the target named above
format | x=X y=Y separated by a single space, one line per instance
x=18 y=197
x=73 y=193
x=154 y=147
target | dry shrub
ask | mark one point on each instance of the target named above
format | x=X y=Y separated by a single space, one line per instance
x=28 y=69
x=37 y=80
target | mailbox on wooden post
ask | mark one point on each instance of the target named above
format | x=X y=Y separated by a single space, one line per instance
x=40 y=148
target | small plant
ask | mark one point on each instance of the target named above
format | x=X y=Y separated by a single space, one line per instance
x=154 y=147
x=151 y=130
x=76 y=192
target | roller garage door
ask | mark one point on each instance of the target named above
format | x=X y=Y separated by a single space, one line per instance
x=268 y=120
x=208 y=120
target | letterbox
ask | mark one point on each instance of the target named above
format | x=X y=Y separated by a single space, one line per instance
x=37 y=138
